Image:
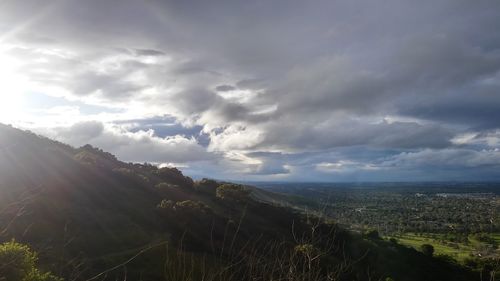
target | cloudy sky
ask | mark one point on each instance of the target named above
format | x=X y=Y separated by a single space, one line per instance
x=336 y=90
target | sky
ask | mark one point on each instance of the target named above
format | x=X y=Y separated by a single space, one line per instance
x=264 y=90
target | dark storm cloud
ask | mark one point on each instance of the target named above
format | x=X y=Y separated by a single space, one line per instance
x=446 y=158
x=253 y=84
x=225 y=88
x=111 y=86
x=318 y=83
x=148 y=52
x=475 y=106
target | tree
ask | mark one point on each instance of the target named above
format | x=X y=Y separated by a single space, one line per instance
x=18 y=263
x=187 y=207
x=173 y=176
x=427 y=249
x=372 y=234
x=207 y=186
x=234 y=192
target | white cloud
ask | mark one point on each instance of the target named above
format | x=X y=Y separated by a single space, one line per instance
x=488 y=138
x=445 y=158
x=345 y=166
x=139 y=146
x=415 y=80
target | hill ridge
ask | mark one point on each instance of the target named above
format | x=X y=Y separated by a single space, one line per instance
x=83 y=210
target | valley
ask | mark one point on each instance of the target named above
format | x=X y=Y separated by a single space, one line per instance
x=460 y=220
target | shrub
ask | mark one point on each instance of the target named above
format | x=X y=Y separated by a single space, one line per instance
x=307 y=250
x=372 y=234
x=207 y=186
x=185 y=207
x=192 y=207
x=18 y=263
x=174 y=176
x=99 y=152
x=233 y=192
x=132 y=175
x=166 y=186
x=427 y=249
x=166 y=204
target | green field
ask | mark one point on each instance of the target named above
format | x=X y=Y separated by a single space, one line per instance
x=458 y=251
x=496 y=236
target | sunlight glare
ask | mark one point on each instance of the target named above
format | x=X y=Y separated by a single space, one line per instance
x=12 y=89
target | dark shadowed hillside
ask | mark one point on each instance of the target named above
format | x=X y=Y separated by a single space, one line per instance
x=92 y=217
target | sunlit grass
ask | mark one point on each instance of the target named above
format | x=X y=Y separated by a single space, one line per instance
x=460 y=253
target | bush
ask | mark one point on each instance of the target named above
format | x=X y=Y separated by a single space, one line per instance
x=233 y=192
x=485 y=238
x=132 y=175
x=185 y=207
x=173 y=176
x=427 y=249
x=207 y=186
x=307 y=250
x=163 y=186
x=372 y=234
x=166 y=204
x=18 y=263
x=190 y=206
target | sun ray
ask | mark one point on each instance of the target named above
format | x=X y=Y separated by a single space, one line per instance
x=21 y=27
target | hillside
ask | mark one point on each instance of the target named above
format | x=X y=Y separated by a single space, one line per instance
x=93 y=217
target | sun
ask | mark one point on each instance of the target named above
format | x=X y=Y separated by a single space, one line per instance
x=13 y=87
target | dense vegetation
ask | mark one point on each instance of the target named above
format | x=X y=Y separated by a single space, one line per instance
x=92 y=217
